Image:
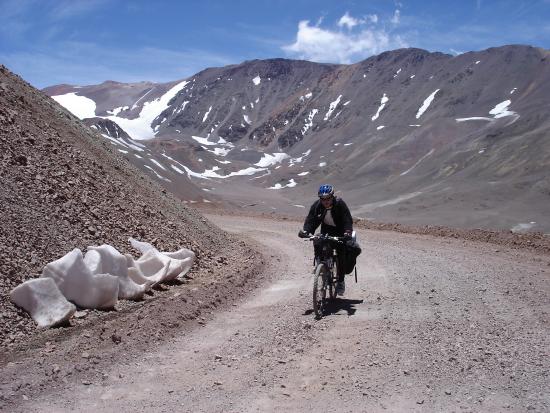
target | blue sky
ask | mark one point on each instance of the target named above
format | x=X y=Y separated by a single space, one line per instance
x=88 y=41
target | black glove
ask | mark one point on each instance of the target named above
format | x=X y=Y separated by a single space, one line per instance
x=303 y=234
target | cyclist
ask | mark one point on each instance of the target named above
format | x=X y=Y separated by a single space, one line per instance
x=334 y=216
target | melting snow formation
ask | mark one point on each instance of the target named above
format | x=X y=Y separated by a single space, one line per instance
x=499 y=111
x=383 y=102
x=426 y=104
x=97 y=280
x=44 y=302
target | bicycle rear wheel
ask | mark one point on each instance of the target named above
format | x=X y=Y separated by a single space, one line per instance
x=319 y=290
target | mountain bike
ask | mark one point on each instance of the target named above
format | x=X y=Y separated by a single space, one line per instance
x=325 y=274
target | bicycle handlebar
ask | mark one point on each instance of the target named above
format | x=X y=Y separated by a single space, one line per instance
x=323 y=237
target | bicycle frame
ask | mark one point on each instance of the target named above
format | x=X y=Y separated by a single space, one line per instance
x=325 y=276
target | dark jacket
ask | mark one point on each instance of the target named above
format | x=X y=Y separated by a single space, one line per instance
x=340 y=215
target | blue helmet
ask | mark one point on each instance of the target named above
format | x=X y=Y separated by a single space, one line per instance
x=326 y=191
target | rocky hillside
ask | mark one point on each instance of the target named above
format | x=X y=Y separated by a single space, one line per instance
x=64 y=187
x=407 y=136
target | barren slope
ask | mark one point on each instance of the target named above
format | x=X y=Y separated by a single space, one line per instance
x=63 y=187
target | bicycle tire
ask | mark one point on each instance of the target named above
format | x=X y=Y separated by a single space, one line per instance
x=333 y=279
x=319 y=290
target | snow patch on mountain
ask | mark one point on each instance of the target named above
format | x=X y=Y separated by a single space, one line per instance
x=332 y=106
x=291 y=183
x=501 y=110
x=80 y=106
x=426 y=104
x=309 y=121
x=203 y=141
x=206 y=114
x=140 y=127
x=257 y=80
x=383 y=102
x=269 y=160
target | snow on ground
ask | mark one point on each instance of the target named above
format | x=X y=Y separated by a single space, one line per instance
x=477 y=62
x=137 y=101
x=513 y=90
x=412 y=76
x=474 y=118
x=426 y=104
x=140 y=127
x=417 y=163
x=206 y=114
x=501 y=110
x=157 y=174
x=269 y=160
x=383 y=102
x=396 y=73
x=247 y=120
x=80 y=106
x=116 y=111
x=348 y=144
x=347 y=103
x=309 y=121
x=298 y=206
x=203 y=141
x=380 y=127
x=292 y=161
x=322 y=164
x=291 y=183
x=257 y=80
x=415 y=126
x=303 y=173
x=158 y=164
x=219 y=151
x=331 y=107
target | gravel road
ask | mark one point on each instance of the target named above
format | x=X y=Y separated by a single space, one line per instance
x=433 y=324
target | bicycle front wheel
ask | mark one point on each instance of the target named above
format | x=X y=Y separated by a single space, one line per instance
x=319 y=289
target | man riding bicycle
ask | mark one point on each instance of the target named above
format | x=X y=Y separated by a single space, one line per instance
x=334 y=216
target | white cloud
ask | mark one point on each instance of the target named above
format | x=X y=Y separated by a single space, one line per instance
x=324 y=45
x=396 y=17
x=373 y=18
x=348 y=21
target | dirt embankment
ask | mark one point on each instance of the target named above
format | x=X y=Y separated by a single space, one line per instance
x=64 y=187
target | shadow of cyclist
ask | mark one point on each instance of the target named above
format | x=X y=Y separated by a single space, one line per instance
x=338 y=304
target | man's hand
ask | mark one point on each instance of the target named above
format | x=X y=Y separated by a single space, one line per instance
x=348 y=234
x=303 y=234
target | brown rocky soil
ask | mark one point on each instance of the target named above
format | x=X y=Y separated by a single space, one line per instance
x=433 y=325
x=63 y=187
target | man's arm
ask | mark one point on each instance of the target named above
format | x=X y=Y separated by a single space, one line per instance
x=311 y=224
x=347 y=219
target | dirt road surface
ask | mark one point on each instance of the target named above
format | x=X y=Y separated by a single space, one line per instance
x=433 y=324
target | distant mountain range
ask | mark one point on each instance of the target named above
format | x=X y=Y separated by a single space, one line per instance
x=407 y=136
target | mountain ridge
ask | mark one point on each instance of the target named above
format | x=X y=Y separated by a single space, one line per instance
x=408 y=135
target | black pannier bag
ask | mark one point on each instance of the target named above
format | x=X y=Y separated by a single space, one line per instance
x=352 y=252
